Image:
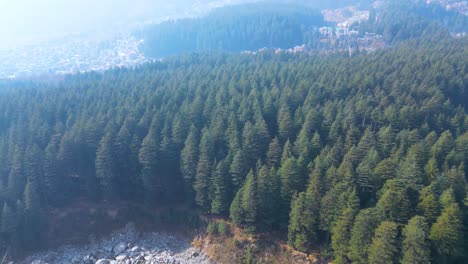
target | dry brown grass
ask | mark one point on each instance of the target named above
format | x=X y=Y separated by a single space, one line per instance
x=234 y=248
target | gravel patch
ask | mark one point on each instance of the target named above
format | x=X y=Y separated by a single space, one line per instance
x=125 y=246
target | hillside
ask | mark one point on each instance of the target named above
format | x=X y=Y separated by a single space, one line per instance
x=287 y=24
x=325 y=149
x=234 y=28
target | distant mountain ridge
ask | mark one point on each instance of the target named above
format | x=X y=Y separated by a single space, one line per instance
x=234 y=29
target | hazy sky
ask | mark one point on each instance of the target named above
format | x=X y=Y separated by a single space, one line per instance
x=30 y=21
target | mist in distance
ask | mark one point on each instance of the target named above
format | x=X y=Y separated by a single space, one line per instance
x=27 y=22
x=30 y=22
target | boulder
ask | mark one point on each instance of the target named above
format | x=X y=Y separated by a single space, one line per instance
x=119 y=248
x=103 y=261
x=135 y=248
x=121 y=257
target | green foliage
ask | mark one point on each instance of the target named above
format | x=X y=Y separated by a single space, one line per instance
x=9 y=223
x=341 y=234
x=361 y=140
x=188 y=162
x=105 y=165
x=268 y=187
x=384 y=247
x=274 y=153
x=223 y=228
x=395 y=203
x=220 y=188
x=236 y=212
x=248 y=27
x=292 y=181
x=201 y=184
x=296 y=232
x=212 y=229
x=149 y=171
x=361 y=235
x=250 y=202
x=447 y=235
x=416 y=247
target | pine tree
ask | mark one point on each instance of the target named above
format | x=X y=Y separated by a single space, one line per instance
x=136 y=169
x=366 y=143
x=443 y=146
x=296 y=233
x=384 y=247
x=447 y=198
x=457 y=181
x=287 y=152
x=410 y=170
x=429 y=206
x=302 y=145
x=386 y=138
x=292 y=182
x=416 y=247
x=447 y=235
x=202 y=181
x=169 y=170
x=316 y=145
x=179 y=131
x=431 y=169
x=268 y=188
x=220 y=185
x=188 y=162
x=335 y=131
x=105 y=165
x=261 y=133
x=52 y=180
x=274 y=153
x=285 y=124
x=250 y=202
x=16 y=176
x=238 y=169
x=341 y=234
x=126 y=160
x=33 y=163
x=148 y=158
x=32 y=199
x=385 y=170
x=313 y=195
x=250 y=145
x=33 y=215
x=365 y=177
x=395 y=204
x=235 y=211
x=361 y=235
x=332 y=205
x=232 y=135
x=9 y=220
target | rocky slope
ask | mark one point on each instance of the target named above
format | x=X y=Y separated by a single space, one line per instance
x=126 y=246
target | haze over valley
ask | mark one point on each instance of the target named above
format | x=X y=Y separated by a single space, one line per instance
x=62 y=37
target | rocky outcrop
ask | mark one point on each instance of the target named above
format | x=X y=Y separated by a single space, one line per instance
x=126 y=246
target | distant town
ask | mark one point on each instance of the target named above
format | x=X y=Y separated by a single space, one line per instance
x=70 y=56
x=343 y=36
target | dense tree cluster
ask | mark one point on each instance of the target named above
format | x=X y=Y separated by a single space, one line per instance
x=235 y=28
x=365 y=154
x=399 y=20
